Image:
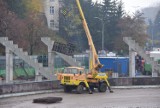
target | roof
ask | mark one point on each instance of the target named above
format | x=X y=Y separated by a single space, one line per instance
x=155 y=52
x=74 y=67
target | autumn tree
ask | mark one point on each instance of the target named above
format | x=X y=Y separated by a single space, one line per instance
x=134 y=27
x=18 y=7
x=23 y=7
x=3 y=19
x=24 y=22
x=3 y=23
x=10 y=25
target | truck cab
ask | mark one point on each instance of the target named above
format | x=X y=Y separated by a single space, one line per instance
x=73 y=78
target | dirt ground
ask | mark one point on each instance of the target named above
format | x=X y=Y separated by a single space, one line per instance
x=121 y=98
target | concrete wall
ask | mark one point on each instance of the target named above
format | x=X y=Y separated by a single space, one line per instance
x=135 y=81
x=50 y=85
x=28 y=87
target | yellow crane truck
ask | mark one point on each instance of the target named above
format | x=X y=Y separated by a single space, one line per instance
x=76 y=77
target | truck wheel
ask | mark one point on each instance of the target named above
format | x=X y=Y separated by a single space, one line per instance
x=79 y=89
x=67 y=89
x=102 y=87
x=1 y=91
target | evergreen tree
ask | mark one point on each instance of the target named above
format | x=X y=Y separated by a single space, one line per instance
x=156 y=30
x=24 y=7
x=71 y=25
x=70 y=22
x=17 y=6
x=120 y=11
x=112 y=11
x=91 y=11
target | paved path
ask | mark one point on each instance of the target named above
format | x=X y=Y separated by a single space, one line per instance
x=121 y=98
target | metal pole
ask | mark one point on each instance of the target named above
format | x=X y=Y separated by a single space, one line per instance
x=102 y=34
x=152 y=37
x=102 y=31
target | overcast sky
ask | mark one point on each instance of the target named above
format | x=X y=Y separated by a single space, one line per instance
x=132 y=5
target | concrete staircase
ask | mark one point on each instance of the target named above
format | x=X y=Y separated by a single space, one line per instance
x=71 y=61
x=47 y=73
x=135 y=46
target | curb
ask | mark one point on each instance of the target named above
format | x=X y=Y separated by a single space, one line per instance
x=136 y=87
x=60 y=90
x=29 y=93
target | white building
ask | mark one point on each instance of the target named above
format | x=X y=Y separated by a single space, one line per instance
x=51 y=9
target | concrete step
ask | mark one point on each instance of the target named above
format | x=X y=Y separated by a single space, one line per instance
x=71 y=61
x=135 y=46
x=24 y=55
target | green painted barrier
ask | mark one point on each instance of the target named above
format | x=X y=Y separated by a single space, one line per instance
x=147 y=69
x=19 y=72
x=2 y=73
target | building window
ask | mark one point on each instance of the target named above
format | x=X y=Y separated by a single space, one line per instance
x=51 y=9
x=52 y=24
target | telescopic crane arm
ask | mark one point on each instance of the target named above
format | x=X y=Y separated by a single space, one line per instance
x=93 y=61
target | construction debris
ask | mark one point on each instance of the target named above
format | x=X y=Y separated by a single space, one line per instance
x=47 y=100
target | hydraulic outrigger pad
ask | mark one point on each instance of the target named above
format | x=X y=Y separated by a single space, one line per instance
x=90 y=91
x=111 y=91
x=98 y=66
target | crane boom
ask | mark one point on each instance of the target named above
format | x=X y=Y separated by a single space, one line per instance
x=94 y=62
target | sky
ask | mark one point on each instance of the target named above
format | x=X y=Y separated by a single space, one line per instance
x=132 y=5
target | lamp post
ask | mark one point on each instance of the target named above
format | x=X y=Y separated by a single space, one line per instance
x=102 y=21
x=152 y=36
x=153 y=32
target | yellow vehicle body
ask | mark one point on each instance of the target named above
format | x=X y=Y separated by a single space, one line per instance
x=76 y=78
x=73 y=78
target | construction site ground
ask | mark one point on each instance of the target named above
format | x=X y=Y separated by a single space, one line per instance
x=121 y=98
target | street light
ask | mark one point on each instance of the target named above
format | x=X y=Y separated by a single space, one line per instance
x=152 y=35
x=102 y=21
x=152 y=32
